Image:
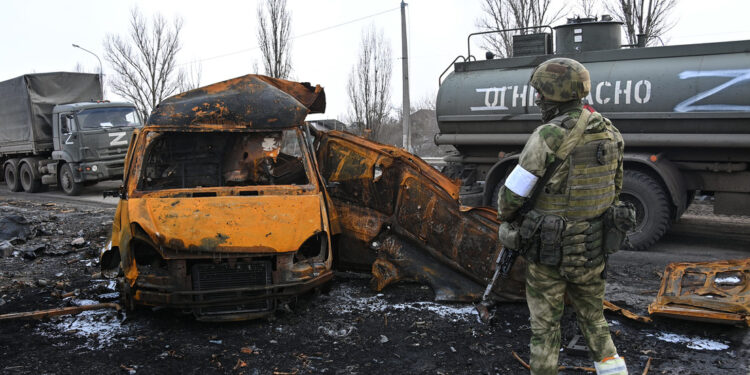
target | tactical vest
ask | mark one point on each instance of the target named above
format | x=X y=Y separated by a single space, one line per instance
x=590 y=188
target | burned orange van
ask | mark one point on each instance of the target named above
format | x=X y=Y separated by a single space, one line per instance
x=222 y=212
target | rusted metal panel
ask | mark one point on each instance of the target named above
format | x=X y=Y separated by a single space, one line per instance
x=401 y=218
x=253 y=101
x=229 y=224
x=717 y=292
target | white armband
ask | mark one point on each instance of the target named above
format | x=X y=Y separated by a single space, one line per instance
x=521 y=181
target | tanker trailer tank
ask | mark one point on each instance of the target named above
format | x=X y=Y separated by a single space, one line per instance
x=683 y=111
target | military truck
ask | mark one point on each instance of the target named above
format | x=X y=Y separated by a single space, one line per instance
x=56 y=129
x=684 y=112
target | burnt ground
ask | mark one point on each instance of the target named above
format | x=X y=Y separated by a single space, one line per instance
x=348 y=330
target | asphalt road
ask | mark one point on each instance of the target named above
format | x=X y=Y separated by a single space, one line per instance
x=92 y=195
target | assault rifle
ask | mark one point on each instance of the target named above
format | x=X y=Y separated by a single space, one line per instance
x=505 y=259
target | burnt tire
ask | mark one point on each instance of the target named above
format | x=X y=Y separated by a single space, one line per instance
x=67 y=183
x=29 y=182
x=652 y=210
x=11 y=177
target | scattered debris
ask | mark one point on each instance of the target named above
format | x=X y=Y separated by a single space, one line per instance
x=6 y=248
x=338 y=331
x=609 y=306
x=648 y=365
x=560 y=368
x=14 y=227
x=717 y=292
x=517 y=357
x=577 y=346
x=78 y=242
x=59 y=311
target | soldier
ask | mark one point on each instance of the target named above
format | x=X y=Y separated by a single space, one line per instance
x=561 y=227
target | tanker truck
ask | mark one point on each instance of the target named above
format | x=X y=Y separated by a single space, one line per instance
x=56 y=129
x=683 y=111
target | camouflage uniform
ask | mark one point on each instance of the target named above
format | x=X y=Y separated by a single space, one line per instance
x=580 y=191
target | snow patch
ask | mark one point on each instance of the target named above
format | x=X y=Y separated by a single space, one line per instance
x=346 y=299
x=99 y=327
x=696 y=343
x=727 y=280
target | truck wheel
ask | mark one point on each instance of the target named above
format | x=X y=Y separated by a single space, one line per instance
x=28 y=182
x=652 y=212
x=11 y=176
x=67 y=184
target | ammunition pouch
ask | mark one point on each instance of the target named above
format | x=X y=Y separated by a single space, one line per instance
x=541 y=238
x=550 y=240
x=527 y=232
x=619 y=219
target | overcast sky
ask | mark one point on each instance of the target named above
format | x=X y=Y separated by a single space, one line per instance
x=37 y=36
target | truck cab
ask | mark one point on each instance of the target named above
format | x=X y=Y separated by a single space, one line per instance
x=90 y=141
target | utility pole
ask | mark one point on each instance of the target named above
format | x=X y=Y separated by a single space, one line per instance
x=406 y=111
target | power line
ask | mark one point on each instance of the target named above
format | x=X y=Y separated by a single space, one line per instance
x=292 y=38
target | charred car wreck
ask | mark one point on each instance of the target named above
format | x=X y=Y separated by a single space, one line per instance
x=231 y=205
x=220 y=210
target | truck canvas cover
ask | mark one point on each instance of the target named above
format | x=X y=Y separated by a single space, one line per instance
x=26 y=104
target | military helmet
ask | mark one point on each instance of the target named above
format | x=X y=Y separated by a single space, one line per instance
x=561 y=80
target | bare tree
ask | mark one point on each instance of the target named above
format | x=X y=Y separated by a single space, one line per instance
x=274 y=31
x=647 y=17
x=145 y=61
x=427 y=101
x=511 y=14
x=369 y=85
x=190 y=78
x=587 y=8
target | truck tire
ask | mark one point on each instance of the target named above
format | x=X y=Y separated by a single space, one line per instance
x=29 y=183
x=652 y=210
x=67 y=183
x=11 y=176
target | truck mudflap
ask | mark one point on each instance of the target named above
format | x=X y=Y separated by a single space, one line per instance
x=396 y=215
x=717 y=292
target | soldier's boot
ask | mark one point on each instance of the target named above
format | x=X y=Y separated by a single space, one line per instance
x=611 y=366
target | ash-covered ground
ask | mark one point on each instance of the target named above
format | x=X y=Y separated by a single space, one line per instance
x=348 y=330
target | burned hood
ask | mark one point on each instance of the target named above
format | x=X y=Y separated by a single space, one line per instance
x=253 y=101
x=230 y=224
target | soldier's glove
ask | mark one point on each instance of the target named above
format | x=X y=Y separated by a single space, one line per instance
x=508 y=236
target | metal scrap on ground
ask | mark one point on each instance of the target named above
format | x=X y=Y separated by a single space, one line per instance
x=717 y=292
x=59 y=311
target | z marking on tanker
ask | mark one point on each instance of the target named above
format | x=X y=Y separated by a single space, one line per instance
x=739 y=75
x=619 y=92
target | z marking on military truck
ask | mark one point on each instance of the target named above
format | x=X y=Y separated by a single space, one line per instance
x=739 y=75
x=118 y=139
x=623 y=92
